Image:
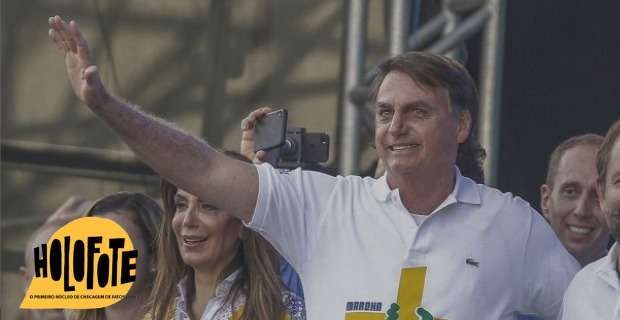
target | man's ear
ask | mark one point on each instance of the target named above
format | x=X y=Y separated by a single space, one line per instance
x=545 y=194
x=464 y=126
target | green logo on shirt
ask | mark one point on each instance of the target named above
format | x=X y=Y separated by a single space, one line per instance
x=393 y=312
x=423 y=314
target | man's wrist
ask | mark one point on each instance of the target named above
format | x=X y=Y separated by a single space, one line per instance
x=104 y=101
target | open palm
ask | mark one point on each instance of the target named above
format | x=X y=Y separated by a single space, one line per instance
x=83 y=75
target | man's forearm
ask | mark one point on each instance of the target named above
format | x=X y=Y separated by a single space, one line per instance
x=183 y=159
x=173 y=153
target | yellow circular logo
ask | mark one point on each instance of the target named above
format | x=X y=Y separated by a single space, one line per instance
x=88 y=263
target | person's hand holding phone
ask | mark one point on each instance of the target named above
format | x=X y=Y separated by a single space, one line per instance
x=248 y=126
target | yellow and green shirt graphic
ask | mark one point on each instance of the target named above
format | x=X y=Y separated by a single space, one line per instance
x=408 y=305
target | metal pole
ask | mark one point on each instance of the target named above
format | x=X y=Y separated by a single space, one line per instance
x=490 y=88
x=427 y=32
x=464 y=6
x=122 y=177
x=465 y=30
x=75 y=161
x=354 y=75
x=399 y=27
x=452 y=22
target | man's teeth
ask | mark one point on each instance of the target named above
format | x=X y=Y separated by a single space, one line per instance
x=403 y=147
x=580 y=230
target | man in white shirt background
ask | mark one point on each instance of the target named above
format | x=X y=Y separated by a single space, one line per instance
x=595 y=291
x=569 y=202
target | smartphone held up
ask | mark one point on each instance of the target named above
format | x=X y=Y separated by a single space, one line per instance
x=289 y=148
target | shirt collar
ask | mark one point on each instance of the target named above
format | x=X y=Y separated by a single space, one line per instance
x=607 y=269
x=465 y=189
x=224 y=286
x=221 y=289
x=380 y=188
x=182 y=289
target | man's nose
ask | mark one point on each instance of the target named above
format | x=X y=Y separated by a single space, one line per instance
x=398 y=124
x=585 y=205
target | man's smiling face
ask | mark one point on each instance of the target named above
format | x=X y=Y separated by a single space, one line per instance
x=415 y=130
x=572 y=207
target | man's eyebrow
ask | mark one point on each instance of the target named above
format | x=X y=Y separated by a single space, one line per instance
x=419 y=104
x=382 y=104
x=179 y=197
x=569 y=183
x=408 y=105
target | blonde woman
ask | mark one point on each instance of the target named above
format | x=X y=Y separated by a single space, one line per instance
x=212 y=267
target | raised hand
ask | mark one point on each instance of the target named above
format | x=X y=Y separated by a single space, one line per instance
x=83 y=75
x=247 y=134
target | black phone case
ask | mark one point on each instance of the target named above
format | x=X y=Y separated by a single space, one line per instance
x=270 y=131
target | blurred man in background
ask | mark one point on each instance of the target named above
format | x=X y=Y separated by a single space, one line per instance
x=568 y=198
x=595 y=291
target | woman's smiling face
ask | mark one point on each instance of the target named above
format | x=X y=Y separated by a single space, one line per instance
x=207 y=236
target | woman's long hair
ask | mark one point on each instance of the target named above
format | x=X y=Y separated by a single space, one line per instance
x=145 y=213
x=259 y=280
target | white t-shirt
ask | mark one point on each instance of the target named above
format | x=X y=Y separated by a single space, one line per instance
x=595 y=291
x=481 y=254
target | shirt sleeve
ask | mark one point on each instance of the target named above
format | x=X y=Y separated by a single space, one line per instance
x=563 y=310
x=289 y=210
x=582 y=290
x=550 y=269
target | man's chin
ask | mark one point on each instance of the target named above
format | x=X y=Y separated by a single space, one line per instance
x=586 y=251
x=401 y=169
